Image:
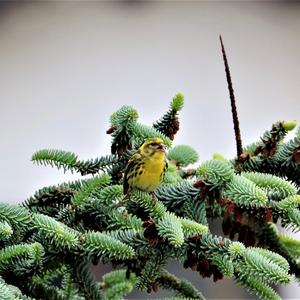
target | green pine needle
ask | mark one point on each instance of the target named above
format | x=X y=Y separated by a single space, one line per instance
x=151 y=205
x=275 y=186
x=104 y=246
x=259 y=288
x=5 y=230
x=245 y=193
x=183 y=155
x=169 y=227
x=177 y=102
x=90 y=186
x=191 y=228
x=142 y=132
x=218 y=172
x=17 y=216
x=56 y=232
x=55 y=157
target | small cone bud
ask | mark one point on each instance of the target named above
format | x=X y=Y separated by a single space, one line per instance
x=219 y=156
x=289 y=125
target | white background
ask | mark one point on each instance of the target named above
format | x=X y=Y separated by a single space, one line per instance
x=66 y=66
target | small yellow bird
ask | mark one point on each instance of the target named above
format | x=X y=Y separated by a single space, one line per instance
x=146 y=168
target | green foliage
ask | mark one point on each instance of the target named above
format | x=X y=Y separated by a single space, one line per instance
x=151 y=205
x=244 y=192
x=119 y=220
x=90 y=186
x=17 y=216
x=55 y=232
x=121 y=288
x=272 y=257
x=219 y=156
x=170 y=227
x=172 y=175
x=142 y=132
x=176 y=195
x=55 y=284
x=124 y=117
x=273 y=155
x=151 y=271
x=236 y=249
x=117 y=276
x=277 y=188
x=183 y=155
x=259 y=265
x=195 y=210
x=168 y=124
x=291 y=244
x=104 y=246
x=259 y=288
x=291 y=219
x=289 y=202
x=116 y=284
x=5 y=230
x=69 y=161
x=223 y=263
x=218 y=172
x=289 y=211
x=183 y=288
x=87 y=283
x=5 y=291
x=54 y=157
x=177 y=102
x=284 y=155
x=48 y=243
x=16 y=255
x=190 y=228
x=289 y=125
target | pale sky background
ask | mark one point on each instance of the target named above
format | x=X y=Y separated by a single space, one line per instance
x=66 y=66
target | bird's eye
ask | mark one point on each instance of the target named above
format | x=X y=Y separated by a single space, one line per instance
x=153 y=144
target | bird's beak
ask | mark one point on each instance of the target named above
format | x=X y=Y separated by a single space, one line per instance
x=162 y=147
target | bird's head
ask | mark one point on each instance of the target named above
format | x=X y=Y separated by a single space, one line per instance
x=154 y=145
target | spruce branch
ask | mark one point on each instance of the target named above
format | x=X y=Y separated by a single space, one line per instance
x=259 y=288
x=183 y=155
x=182 y=288
x=56 y=232
x=14 y=256
x=168 y=124
x=118 y=290
x=245 y=193
x=87 y=282
x=48 y=243
x=276 y=187
x=169 y=226
x=259 y=265
x=151 y=271
x=218 y=172
x=69 y=161
x=154 y=207
x=5 y=291
x=104 y=246
x=17 y=216
x=90 y=186
x=191 y=228
x=5 y=230
x=291 y=244
x=176 y=195
x=142 y=133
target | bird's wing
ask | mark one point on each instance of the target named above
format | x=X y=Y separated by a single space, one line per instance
x=165 y=168
x=130 y=165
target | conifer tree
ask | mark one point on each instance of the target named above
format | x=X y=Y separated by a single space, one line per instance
x=48 y=242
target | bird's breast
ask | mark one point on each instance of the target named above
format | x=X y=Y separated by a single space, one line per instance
x=152 y=174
